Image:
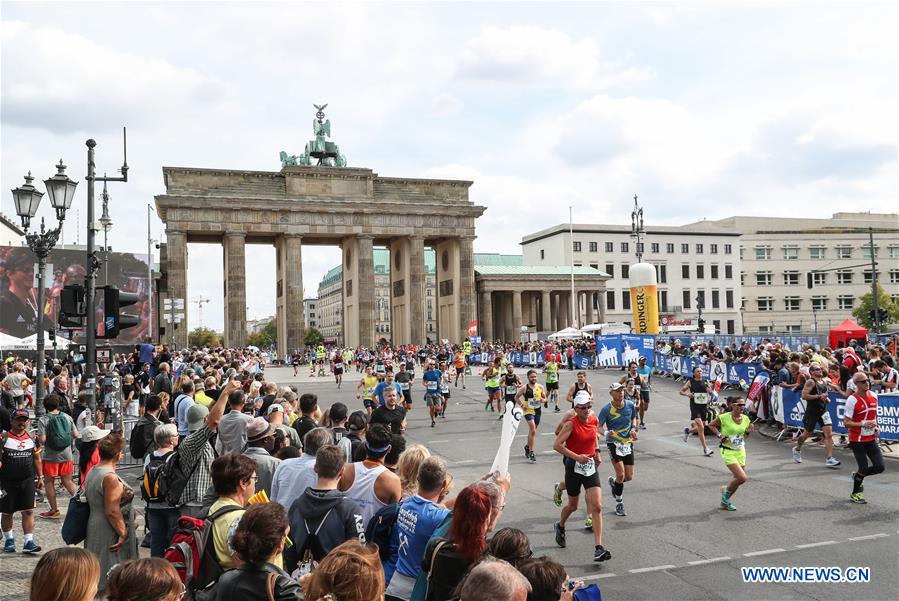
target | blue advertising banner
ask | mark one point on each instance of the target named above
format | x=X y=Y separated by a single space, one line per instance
x=887 y=412
x=621 y=349
x=730 y=373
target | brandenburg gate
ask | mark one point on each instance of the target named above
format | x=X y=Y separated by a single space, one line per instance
x=326 y=204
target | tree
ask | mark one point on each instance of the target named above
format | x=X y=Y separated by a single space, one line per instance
x=863 y=312
x=267 y=337
x=312 y=337
x=204 y=337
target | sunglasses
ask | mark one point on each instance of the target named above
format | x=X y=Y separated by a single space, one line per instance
x=584 y=407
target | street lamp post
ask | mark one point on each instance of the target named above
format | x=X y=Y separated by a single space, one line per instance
x=637 y=229
x=27 y=199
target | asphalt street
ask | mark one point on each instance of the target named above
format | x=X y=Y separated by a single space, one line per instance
x=675 y=543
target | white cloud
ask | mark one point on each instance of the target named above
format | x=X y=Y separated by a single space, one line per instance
x=446 y=104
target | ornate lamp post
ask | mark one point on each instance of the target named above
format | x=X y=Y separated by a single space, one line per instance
x=27 y=199
x=637 y=229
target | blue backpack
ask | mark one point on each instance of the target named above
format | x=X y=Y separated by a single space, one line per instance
x=380 y=529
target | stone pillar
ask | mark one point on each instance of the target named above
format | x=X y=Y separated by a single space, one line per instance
x=417 y=282
x=235 y=289
x=398 y=261
x=485 y=319
x=601 y=303
x=516 y=316
x=358 y=291
x=506 y=308
x=176 y=267
x=290 y=317
x=590 y=314
x=564 y=310
x=545 y=314
x=448 y=292
x=366 y=270
x=467 y=312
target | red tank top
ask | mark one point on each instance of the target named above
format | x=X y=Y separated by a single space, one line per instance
x=583 y=436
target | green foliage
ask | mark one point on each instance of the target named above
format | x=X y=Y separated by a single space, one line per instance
x=265 y=338
x=862 y=313
x=311 y=337
x=204 y=337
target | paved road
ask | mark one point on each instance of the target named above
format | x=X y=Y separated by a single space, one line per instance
x=674 y=543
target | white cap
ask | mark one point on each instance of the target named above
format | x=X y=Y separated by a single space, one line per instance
x=582 y=398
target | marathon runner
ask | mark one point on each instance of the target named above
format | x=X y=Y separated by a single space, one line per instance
x=348 y=356
x=619 y=418
x=338 y=367
x=645 y=373
x=295 y=361
x=511 y=383
x=448 y=373
x=365 y=390
x=814 y=393
x=491 y=375
x=734 y=427
x=432 y=378
x=578 y=386
x=860 y=418
x=699 y=392
x=460 y=360
x=530 y=397
x=551 y=369
x=405 y=380
x=578 y=442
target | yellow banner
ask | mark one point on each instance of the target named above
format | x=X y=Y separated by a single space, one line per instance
x=645 y=305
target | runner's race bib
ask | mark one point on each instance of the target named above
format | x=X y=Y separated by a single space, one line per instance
x=511 y=390
x=701 y=398
x=444 y=389
x=432 y=386
x=736 y=443
x=404 y=386
x=866 y=431
x=585 y=469
x=623 y=449
x=534 y=403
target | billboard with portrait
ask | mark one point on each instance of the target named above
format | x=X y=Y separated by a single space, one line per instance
x=18 y=289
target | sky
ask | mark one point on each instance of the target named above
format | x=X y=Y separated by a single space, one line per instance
x=704 y=110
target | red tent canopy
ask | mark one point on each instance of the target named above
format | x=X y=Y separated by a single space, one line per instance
x=846 y=331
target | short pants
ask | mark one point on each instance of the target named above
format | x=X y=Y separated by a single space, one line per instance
x=433 y=399
x=533 y=415
x=698 y=410
x=574 y=481
x=815 y=413
x=19 y=495
x=616 y=458
x=730 y=456
x=491 y=390
x=57 y=469
x=552 y=386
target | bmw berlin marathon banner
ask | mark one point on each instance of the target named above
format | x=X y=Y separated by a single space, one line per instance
x=622 y=349
x=18 y=290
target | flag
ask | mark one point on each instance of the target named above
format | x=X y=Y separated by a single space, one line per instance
x=758 y=385
x=511 y=420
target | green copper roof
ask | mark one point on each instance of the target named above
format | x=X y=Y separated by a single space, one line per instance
x=531 y=270
x=496 y=259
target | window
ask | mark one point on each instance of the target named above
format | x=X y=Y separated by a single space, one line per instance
x=894 y=276
x=685 y=271
x=625 y=271
x=577 y=246
x=610 y=300
x=791 y=278
x=700 y=272
x=626 y=299
x=766 y=303
x=844 y=277
x=663 y=300
x=624 y=247
x=542 y=254
x=686 y=301
x=716 y=299
x=894 y=252
x=699 y=249
x=793 y=329
x=866 y=251
x=844 y=252
x=430 y=315
x=713 y=249
x=869 y=277
x=578 y=264
x=654 y=247
x=714 y=269
x=669 y=248
x=817 y=252
x=609 y=247
x=729 y=299
x=685 y=248
x=728 y=249
x=791 y=303
x=819 y=279
x=610 y=269
x=730 y=326
x=728 y=272
x=766 y=329
x=663 y=274
x=595 y=266
x=700 y=299
x=819 y=303
x=763 y=278
x=593 y=247
x=762 y=253
x=845 y=302
x=791 y=253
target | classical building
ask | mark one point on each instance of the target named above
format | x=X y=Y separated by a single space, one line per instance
x=310 y=313
x=778 y=254
x=10 y=233
x=695 y=266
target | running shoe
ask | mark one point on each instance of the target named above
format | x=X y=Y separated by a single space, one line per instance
x=560 y=536
x=557 y=495
x=533 y=457
x=619 y=509
x=500 y=418
x=433 y=423
x=463 y=386
x=832 y=462
x=856 y=497
x=642 y=426
x=686 y=433
x=708 y=452
x=443 y=414
x=527 y=452
x=10 y=545
x=612 y=484
x=861 y=487
x=600 y=554
x=797 y=455
x=725 y=500
x=588 y=522
x=49 y=514
x=486 y=405
x=557 y=409
x=31 y=547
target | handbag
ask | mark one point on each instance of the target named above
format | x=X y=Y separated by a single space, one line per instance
x=74 y=527
x=588 y=593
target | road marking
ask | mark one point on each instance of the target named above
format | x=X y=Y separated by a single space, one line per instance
x=765 y=552
x=870 y=536
x=821 y=544
x=652 y=569
x=595 y=577
x=674 y=421
x=875 y=484
x=461 y=461
x=700 y=562
x=436 y=441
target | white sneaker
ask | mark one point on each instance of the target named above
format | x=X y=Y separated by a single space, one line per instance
x=708 y=452
x=797 y=455
x=832 y=462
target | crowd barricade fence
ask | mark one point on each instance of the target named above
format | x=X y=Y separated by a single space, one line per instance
x=788 y=408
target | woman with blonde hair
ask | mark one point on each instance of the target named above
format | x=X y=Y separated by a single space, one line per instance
x=65 y=574
x=407 y=468
x=350 y=572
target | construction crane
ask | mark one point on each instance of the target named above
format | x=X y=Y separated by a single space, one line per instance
x=200 y=302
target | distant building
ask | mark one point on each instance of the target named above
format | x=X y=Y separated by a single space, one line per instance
x=10 y=233
x=310 y=313
x=254 y=326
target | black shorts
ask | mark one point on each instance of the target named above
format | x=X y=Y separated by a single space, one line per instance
x=19 y=495
x=407 y=397
x=644 y=395
x=700 y=411
x=552 y=386
x=338 y=369
x=616 y=458
x=815 y=413
x=574 y=481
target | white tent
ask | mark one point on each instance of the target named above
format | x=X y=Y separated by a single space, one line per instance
x=566 y=334
x=11 y=343
x=31 y=342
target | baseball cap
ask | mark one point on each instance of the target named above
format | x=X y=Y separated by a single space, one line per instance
x=258 y=428
x=92 y=433
x=582 y=398
x=616 y=386
x=338 y=412
x=195 y=416
x=20 y=413
x=274 y=408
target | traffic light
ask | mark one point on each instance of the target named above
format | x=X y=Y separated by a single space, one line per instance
x=809 y=280
x=71 y=307
x=701 y=325
x=878 y=315
x=113 y=319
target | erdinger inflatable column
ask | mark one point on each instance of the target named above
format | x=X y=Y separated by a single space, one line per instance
x=644 y=298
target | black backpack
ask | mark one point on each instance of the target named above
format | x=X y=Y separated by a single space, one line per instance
x=380 y=529
x=173 y=478
x=150 y=489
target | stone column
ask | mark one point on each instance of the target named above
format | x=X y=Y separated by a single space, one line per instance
x=176 y=267
x=235 y=289
x=467 y=312
x=366 y=291
x=290 y=317
x=601 y=303
x=590 y=314
x=485 y=319
x=564 y=310
x=417 y=326
x=545 y=313
x=516 y=316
